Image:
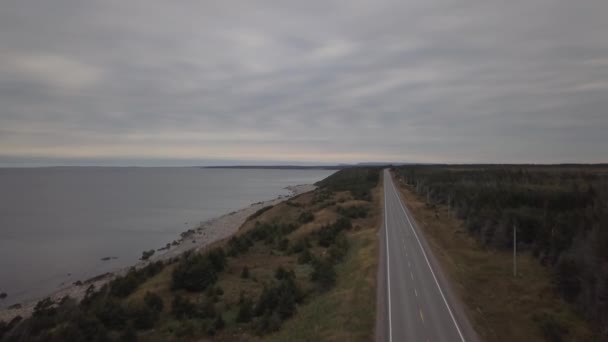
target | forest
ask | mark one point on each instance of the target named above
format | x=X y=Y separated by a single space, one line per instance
x=560 y=214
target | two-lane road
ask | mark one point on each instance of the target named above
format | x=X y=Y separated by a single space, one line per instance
x=418 y=302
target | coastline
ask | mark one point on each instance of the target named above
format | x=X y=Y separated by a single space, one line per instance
x=196 y=239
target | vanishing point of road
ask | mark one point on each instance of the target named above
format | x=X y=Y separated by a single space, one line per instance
x=415 y=302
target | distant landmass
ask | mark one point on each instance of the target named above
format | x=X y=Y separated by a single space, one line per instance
x=279 y=167
x=300 y=167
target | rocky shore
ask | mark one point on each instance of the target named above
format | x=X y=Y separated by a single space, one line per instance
x=194 y=239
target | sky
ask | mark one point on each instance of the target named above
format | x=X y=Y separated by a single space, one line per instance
x=156 y=82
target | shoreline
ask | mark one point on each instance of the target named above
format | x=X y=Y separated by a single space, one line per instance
x=195 y=239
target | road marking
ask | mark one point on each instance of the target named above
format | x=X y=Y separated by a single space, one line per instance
x=428 y=263
x=412 y=275
x=408 y=264
x=416 y=292
x=388 y=266
x=421 y=315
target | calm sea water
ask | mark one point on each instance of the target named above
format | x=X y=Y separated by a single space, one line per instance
x=57 y=223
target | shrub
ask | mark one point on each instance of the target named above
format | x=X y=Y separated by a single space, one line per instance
x=111 y=313
x=283 y=244
x=194 y=273
x=268 y=323
x=280 y=273
x=245 y=272
x=259 y=212
x=354 y=212
x=323 y=274
x=552 y=329
x=328 y=234
x=338 y=249
x=124 y=286
x=280 y=298
x=145 y=255
x=306 y=217
x=129 y=335
x=182 y=308
x=143 y=317
x=219 y=323
x=300 y=245
x=305 y=257
x=153 y=301
x=245 y=311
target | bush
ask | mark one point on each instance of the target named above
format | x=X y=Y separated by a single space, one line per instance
x=182 y=308
x=300 y=245
x=268 y=323
x=283 y=245
x=337 y=251
x=305 y=257
x=245 y=273
x=143 y=317
x=111 y=313
x=195 y=273
x=125 y=285
x=280 y=273
x=323 y=274
x=219 y=323
x=552 y=329
x=354 y=212
x=245 y=310
x=280 y=298
x=145 y=255
x=328 y=234
x=129 y=335
x=259 y=212
x=306 y=217
x=153 y=301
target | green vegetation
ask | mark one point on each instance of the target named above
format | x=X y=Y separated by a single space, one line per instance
x=195 y=272
x=260 y=212
x=560 y=213
x=248 y=287
x=145 y=255
x=354 y=212
x=359 y=181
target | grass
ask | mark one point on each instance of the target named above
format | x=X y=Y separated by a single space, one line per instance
x=501 y=307
x=346 y=312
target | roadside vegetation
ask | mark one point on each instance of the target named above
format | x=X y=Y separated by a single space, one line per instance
x=301 y=270
x=560 y=213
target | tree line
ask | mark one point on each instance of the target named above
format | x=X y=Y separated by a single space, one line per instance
x=560 y=214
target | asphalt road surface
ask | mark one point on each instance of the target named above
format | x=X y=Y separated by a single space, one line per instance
x=415 y=299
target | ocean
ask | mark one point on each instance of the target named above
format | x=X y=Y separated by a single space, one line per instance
x=56 y=224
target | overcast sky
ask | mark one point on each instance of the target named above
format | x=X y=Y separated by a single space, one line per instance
x=194 y=82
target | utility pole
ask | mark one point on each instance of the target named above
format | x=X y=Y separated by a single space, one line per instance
x=514 y=250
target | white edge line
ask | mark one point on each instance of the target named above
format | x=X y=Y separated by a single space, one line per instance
x=388 y=265
x=428 y=263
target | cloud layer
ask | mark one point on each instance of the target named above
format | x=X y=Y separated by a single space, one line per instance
x=326 y=81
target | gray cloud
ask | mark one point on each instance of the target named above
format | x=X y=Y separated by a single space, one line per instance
x=334 y=81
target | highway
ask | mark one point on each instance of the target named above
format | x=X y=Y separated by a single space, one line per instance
x=415 y=299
